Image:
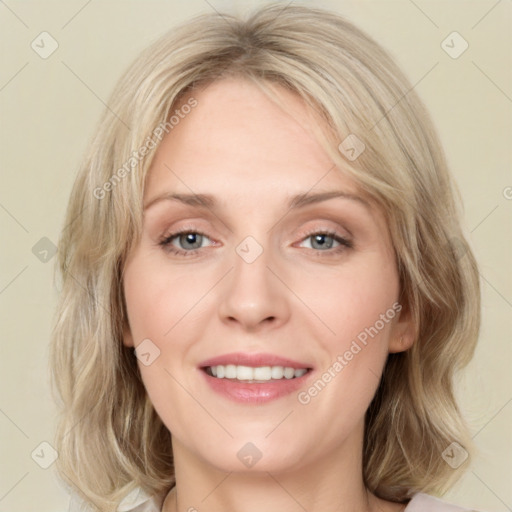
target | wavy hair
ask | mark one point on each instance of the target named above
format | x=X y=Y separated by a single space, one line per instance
x=109 y=437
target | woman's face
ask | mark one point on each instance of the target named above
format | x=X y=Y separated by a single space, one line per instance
x=281 y=270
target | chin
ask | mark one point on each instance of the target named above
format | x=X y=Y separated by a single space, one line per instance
x=253 y=455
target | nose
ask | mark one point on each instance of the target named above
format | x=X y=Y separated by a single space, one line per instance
x=253 y=297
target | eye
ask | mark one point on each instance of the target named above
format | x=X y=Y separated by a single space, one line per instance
x=188 y=242
x=184 y=242
x=325 y=241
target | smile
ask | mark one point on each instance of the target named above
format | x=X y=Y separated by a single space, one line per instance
x=254 y=374
x=250 y=378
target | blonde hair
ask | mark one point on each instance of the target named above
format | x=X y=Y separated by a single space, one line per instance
x=109 y=437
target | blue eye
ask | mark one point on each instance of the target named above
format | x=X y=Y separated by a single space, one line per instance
x=326 y=241
x=322 y=241
x=184 y=242
x=192 y=240
x=188 y=242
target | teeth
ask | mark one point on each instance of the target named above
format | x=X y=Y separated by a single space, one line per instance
x=289 y=373
x=230 y=371
x=244 y=373
x=259 y=373
x=262 y=373
x=277 y=372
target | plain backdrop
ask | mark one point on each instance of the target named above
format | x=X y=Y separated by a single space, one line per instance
x=49 y=108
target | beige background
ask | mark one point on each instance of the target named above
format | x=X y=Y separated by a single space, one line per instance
x=48 y=110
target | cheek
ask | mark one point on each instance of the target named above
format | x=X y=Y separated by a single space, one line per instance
x=159 y=302
x=357 y=309
x=160 y=309
x=352 y=300
x=164 y=307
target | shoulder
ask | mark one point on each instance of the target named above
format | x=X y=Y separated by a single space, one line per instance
x=425 y=503
x=135 y=501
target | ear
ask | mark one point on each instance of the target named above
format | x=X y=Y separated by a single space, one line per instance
x=127 y=332
x=127 y=336
x=403 y=332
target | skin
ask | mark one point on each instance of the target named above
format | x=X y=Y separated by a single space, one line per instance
x=297 y=300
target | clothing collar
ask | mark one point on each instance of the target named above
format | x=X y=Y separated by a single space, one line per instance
x=140 y=501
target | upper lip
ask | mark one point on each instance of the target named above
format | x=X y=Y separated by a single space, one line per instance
x=254 y=360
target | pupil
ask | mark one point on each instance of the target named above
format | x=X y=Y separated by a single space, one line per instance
x=321 y=242
x=193 y=239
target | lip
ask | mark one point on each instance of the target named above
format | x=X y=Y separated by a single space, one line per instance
x=254 y=360
x=254 y=393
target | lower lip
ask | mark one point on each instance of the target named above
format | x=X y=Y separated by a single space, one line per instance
x=255 y=393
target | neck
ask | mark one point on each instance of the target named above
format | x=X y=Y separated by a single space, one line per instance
x=331 y=482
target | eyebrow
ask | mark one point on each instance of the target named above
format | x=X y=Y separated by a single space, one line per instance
x=294 y=202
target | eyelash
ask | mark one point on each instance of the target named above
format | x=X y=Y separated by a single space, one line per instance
x=166 y=242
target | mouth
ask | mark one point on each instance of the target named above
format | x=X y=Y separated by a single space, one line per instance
x=253 y=375
x=254 y=378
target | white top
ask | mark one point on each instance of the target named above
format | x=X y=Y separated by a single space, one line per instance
x=139 y=501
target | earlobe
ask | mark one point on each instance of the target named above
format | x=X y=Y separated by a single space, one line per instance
x=404 y=333
x=401 y=343
x=127 y=336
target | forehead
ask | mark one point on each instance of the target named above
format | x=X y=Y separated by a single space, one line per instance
x=237 y=136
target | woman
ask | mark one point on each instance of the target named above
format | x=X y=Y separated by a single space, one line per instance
x=299 y=353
